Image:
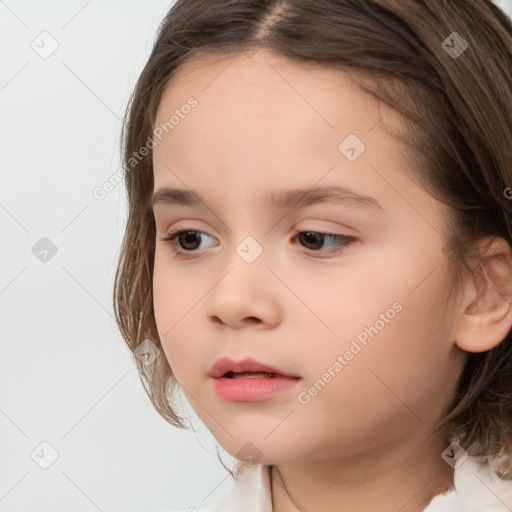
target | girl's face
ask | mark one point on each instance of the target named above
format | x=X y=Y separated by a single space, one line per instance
x=365 y=324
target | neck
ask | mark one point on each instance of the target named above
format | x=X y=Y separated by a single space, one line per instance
x=396 y=478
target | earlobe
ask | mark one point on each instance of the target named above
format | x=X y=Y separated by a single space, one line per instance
x=485 y=312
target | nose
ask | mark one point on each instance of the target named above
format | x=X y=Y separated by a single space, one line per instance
x=246 y=294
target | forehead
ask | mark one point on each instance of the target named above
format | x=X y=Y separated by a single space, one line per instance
x=255 y=82
x=265 y=118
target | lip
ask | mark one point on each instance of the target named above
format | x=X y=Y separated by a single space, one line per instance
x=248 y=389
x=225 y=364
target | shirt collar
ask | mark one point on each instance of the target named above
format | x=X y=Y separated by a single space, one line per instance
x=476 y=488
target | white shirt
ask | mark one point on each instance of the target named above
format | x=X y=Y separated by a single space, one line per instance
x=476 y=489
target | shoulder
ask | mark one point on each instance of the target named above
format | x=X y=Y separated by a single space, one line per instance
x=476 y=487
x=251 y=489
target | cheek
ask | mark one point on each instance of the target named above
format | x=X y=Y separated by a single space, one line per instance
x=409 y=361
x=175 y=293
x=386 y=320
x=397 y=380
x=337 y=301
x=174 y=299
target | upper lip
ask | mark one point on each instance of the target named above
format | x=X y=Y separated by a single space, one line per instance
x=225 y=364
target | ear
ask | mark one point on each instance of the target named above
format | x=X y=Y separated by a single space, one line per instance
x=485 y=315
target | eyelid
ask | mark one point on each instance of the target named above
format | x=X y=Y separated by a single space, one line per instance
x=328 y=227
x=187 y=224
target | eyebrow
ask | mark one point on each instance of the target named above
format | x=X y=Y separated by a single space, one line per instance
x=279 y=200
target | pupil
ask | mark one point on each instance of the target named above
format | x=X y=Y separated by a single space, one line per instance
x=189 y=237
x=315 y=237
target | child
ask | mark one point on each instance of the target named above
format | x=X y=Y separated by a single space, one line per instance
x=344 y=328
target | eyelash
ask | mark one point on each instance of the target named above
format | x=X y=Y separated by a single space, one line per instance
x=171 y=241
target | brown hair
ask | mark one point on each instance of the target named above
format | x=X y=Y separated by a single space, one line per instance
x=458 y=110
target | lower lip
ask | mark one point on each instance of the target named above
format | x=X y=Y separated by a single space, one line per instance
x=252 y=389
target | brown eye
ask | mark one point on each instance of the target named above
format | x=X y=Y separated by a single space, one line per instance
x=187 y=239
x=185 y=242
x=314 y=240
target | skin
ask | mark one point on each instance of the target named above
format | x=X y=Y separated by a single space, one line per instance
x=365 y=441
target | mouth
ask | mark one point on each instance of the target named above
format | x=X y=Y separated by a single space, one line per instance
x=248 y=380
x=251 y=386
x=247 y=368
x=250 y=375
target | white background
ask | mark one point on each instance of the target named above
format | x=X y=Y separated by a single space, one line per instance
x=65 y=375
